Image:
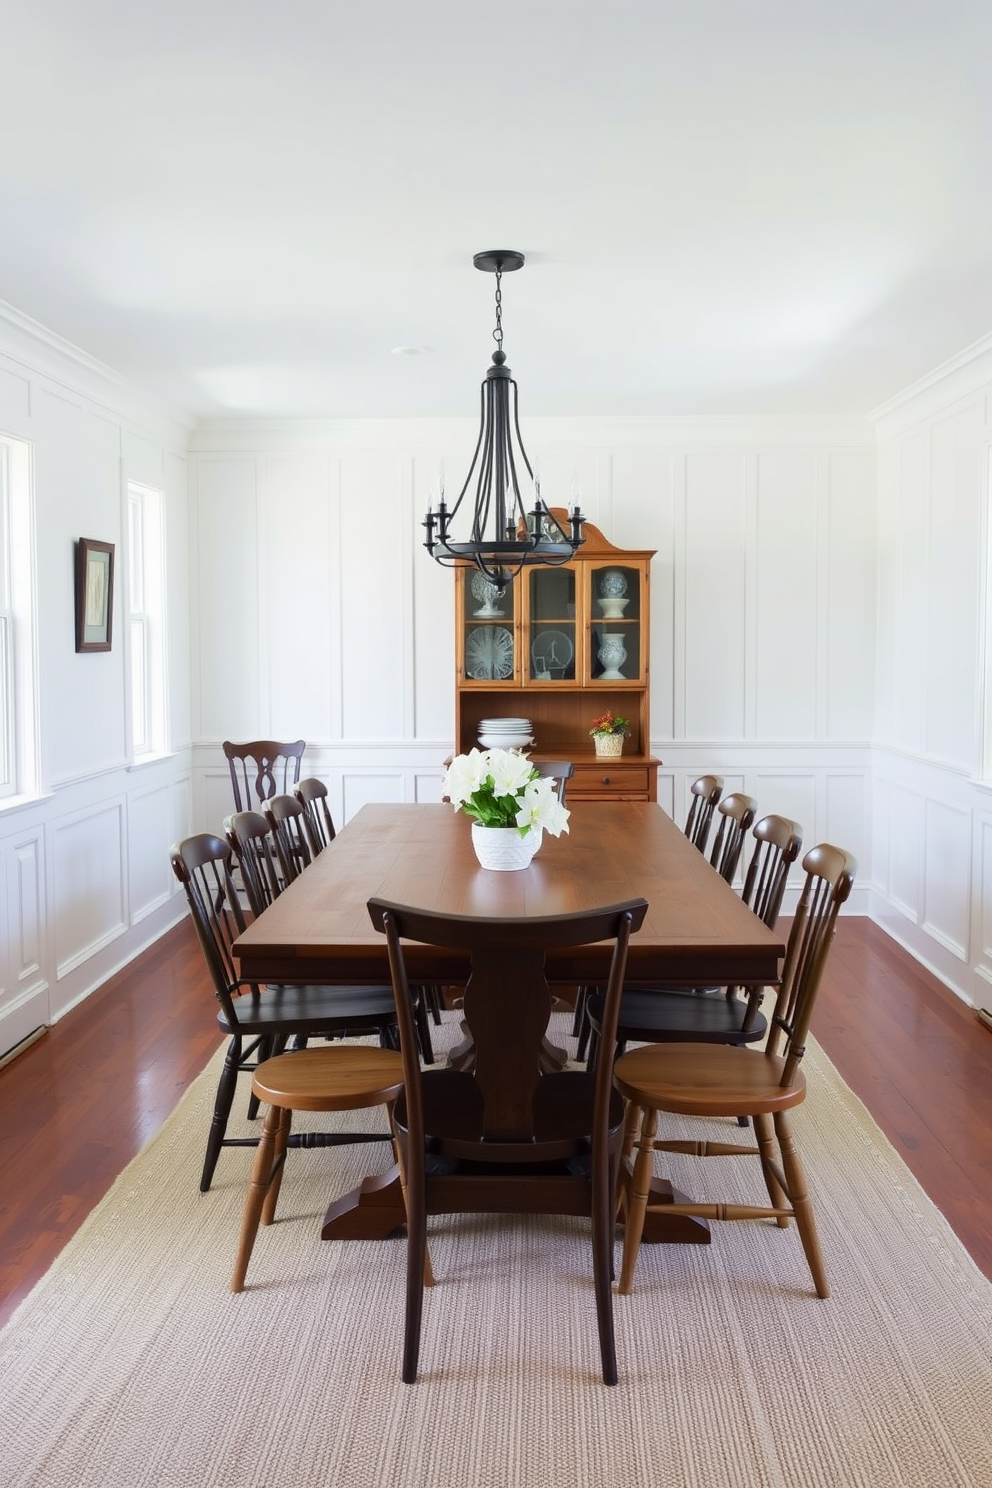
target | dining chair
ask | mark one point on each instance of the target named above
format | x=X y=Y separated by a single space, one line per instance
x=715 y=1080
x=506 y=1135
x=259 y=1021
x=262 y=768
x=319 y=822
x=705 y=793
x=266 y=867
x=345 y=1077
x=560 y=771
x=737 y=813
x=287 y=818
x=717 y=1015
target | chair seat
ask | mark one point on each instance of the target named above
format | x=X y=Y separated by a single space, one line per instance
x=345 y=1077
x=706 y=1080
x=679 y=1015
x=313 y=1010
x=562 y=1109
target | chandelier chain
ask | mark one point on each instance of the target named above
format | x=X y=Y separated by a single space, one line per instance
x=498 y=332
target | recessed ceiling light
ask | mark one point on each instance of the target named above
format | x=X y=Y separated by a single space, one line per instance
x=410 y=350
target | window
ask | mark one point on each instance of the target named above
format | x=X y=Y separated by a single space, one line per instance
x=18 y=701
x=146 y=609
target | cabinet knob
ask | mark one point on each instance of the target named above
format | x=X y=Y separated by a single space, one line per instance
x=605 y=780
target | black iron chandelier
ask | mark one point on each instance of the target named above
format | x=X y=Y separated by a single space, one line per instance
x=503 y=536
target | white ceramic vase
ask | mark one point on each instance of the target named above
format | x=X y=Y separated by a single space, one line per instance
x=612 y=655
x=502 y=848
x=608 y=746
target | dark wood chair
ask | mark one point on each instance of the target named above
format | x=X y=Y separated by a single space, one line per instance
x=560 y=771
x=505 y=1136
x=262 y=768
x=287 y=817
x=717 y=1080
x=263 y=863
x=350 y=1077
x=259 y=1021
x=719 y=1015
x=737 y=813
x=705 y=793
x=319 y=822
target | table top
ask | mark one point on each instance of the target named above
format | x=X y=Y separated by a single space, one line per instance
x=696 y=931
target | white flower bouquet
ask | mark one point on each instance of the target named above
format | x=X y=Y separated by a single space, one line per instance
x=499 y=788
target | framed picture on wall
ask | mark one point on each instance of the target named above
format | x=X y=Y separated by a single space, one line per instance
x=94 y=594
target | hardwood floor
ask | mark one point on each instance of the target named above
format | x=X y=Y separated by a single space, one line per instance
x=80 y=1103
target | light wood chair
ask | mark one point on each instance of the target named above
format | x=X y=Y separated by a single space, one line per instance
x=350 y=1077
x=505 y=1136
x=319 y=822
x=705 y=793
x=716 y=1080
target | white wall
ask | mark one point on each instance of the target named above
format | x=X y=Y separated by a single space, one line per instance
x=933 y=809
x=84 y=874
x=318 y=613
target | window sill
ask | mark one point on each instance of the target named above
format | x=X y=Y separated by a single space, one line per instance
x=145 y=760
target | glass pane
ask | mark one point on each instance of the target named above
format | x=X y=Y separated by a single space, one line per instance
x=490 y=651
x=551 y=655
x=139 y=688
x=616 y=629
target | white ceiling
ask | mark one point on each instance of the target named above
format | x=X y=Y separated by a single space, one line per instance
x=727 y=206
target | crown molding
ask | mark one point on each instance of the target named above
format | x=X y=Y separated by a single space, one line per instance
x=960 y=375
x=41 y=352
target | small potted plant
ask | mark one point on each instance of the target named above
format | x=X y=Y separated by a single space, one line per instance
x=509 y=802
x=609 y=732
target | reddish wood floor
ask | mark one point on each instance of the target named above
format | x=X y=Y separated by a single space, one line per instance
x=80 y=1103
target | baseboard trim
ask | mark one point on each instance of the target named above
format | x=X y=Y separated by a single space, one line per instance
x=25 y=1043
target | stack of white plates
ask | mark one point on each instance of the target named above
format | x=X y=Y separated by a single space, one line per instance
x=505 y=733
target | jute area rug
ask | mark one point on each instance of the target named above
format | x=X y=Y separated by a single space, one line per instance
x=131 y=1363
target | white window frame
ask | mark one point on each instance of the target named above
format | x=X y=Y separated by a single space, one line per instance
x=145 y=609
x=19 y=762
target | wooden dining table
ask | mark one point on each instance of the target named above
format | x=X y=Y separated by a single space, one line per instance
x=697 y=932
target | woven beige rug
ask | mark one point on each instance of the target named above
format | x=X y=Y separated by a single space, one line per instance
x=131 y=1364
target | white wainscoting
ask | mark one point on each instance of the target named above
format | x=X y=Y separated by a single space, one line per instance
x=86 y=885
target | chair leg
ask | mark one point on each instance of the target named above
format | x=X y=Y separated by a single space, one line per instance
x=261 y=1177
x=603 y=1177
x=398 y=1154
x=222 y=1110
x=278 y=1166
x=578 y=1016
x=420 y=1013
x=266 y=1049
x=631 y=1122
x=795 y=1177
x=416 y=1261
x=767 y=1151
x=637 y=1202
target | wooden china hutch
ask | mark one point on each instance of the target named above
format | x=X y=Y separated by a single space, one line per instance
x=561 y=647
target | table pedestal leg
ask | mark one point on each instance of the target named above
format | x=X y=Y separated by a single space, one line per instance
x=373 y=1212
x=376 y=1210
x=672 y=1229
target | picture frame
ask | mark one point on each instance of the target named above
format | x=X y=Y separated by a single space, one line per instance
x=94 y=595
